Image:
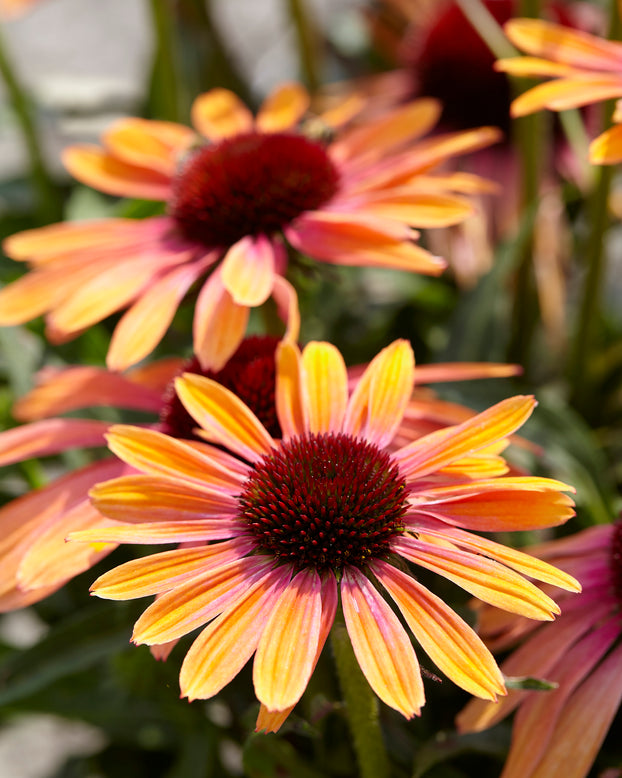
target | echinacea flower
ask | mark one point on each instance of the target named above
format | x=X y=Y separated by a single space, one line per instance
x=237 y=191
x=560 y=731
x=583 y=69
x=281 y=530
x=35 y=560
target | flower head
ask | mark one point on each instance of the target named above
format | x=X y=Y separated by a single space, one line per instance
x=583 y=69
x=282 y=528
x=559 y=732
x=237 y=190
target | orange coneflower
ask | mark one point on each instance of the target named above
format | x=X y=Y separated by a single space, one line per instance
x=332 y=509
x=34 y=557
x=560 y=731
x=583 y=68
x=238 y=189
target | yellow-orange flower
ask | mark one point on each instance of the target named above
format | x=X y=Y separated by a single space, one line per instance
x=238 y=191
x=281 y=528
x=583 y=69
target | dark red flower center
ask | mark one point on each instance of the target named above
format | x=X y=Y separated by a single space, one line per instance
x=250 y=184
x=324 y=502
x=250 y=374
x=616 y=559
x=451 y=62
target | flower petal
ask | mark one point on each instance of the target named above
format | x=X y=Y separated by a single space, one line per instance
x=441 y=448
x=155 y=145
x=292 y=412
x=287 y=649
x=146 y=498
x=419 y=209
x=381 y=645
x=219 y=324
x=286 y=299
x=565 y=93
x=224 y=647
x=197 y=600
x=219 y=114
x=451 y=644
x=324 y=386
x=144 y=325
x=158 y=454
x=485 y=579
x=42 y=438
x=224 y=418
x=533 y=66
x=564 y=44
x=377 y=405
x=166 y=570
x=283 y=108
x=248 y=270
x=607 y=148
x=69 y=389
x=349 y=239
x=95 y=167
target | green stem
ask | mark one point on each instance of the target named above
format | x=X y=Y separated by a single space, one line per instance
x=584 y=345
x=165 y=99
x=487 y=27
x=49 y=202
x=307 y=43
x=362 y=707
x=529 y=133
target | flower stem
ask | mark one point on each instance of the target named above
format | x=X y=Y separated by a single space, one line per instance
x=362 y=707
x=165 y=99
x=584 y=345
x=307 y=43
x=530 y=131
x=49 y=203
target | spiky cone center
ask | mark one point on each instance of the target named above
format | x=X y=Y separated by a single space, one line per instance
x=324 y=502
x=250 y=184
x=250 y=374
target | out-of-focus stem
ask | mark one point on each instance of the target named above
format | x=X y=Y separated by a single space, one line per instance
x=584 y=341
x=49 y=203
x=487 y=27
x=307 y=43
x=362 y=707
x=165 y=98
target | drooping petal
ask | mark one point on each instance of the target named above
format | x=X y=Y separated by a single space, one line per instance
x=564 y=44
x=272 y=720
x=94 y=167
x=283 y=108
x=219 y=324
x=464 y=371
x=42 y=438
x=419 y=209
x=224 y=418
x=144 y=325
x=451 y=644
x=324 y=386
x=219 y=114
x=199 y=599
x=158 y=454
x=441 y=448
x=538 y=717
x=160 y=572
x=34 y=294
x=286 y=299
x=291 y=410
x=378 y=402
x=153 y=533
x=381 y=646
x=248 y=270
x=349 y=239
x=607 y=148
x=534 y=66
x=584 y=722
x=155 y=145
x=224 y=647
x=287 y=649
x=147 y=498
x=485 y=579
